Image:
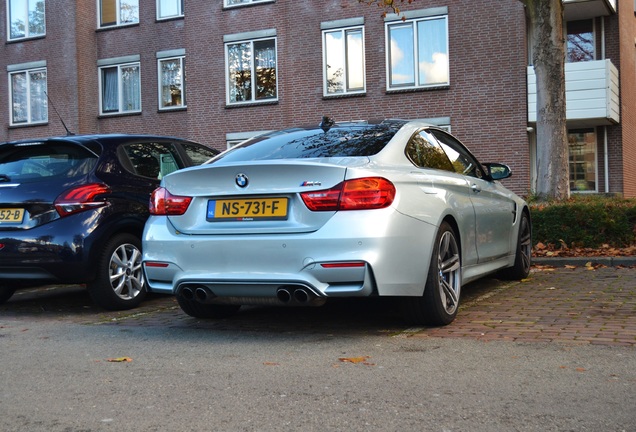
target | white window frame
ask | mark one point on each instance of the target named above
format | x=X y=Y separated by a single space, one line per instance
x=17 y=70
x=118 y=22
x=27 y=34
x=412 y=18
x=120 y=99
x=163 y=57
x=235 y=138
x=251 y=38
x=179 y=14
x=344 y=27
x=239 y=3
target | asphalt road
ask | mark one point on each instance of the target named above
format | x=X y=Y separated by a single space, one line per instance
x=348 y=366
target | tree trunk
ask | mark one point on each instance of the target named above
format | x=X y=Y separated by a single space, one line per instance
x=548 y=58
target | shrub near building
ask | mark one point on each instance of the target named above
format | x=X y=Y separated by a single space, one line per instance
x=585 y=221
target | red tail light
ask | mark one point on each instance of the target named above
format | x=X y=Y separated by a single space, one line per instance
x=163 y=203
x=357 y=194
x=80 y=198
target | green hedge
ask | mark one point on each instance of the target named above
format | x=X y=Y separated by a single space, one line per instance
x=585 y=221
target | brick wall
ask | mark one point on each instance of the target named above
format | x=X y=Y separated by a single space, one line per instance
x=486 y=99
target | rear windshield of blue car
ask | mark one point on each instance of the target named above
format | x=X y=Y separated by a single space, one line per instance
x=359 y=140
x=37 y=161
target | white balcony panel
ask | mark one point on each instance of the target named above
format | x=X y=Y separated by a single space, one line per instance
x=591 y=94
x=585 y=9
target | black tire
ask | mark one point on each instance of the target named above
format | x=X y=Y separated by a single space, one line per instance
x=206 y=311
x=5 y=293
x=120 y=283
x=523 y=254
x=439 y=304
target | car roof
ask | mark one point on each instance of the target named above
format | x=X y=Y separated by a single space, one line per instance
x=103 y=138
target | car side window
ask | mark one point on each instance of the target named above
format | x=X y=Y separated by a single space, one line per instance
x=152 y=159
x=424 y=151
x=462 y=161
x=198 y=154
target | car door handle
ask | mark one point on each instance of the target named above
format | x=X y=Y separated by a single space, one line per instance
x=475 y=188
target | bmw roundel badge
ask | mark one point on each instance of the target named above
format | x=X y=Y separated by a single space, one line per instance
x=242 y=180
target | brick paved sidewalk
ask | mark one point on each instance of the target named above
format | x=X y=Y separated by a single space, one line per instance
x=572 y=305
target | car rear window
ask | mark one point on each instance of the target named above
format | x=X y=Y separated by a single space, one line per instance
x=359 y=140
x=37 y=161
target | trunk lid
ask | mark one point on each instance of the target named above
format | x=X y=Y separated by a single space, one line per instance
x=260 y=198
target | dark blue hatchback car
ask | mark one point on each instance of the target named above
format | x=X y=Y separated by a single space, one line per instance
x=73 y=208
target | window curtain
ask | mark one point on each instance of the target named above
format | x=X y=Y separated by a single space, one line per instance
x=128 y=11
x=131 y=89
x=239 y=58
x=38 y=100
x=19 y=97
x=108 y=12
x=171 y=83
x=265 y=62
x=110 y=100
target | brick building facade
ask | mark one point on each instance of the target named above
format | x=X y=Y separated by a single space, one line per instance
x=121 y=66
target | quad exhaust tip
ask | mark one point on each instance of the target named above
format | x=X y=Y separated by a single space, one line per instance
x=287 y=295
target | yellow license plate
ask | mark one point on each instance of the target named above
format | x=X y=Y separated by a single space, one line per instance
x=11 y=215
x=247 y=209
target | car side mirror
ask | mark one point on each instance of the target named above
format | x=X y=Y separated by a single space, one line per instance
x=498 y=171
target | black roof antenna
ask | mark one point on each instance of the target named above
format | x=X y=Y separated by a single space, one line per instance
x=326 y=123
x=68 y=132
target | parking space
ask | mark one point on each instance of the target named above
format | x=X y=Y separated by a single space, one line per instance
x=576 y=305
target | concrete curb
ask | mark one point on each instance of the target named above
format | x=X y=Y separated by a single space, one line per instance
x=581 y=261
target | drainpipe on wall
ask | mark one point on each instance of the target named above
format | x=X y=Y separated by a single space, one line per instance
x=605 y=159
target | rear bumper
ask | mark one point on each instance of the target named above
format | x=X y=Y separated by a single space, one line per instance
x=372 y=258
x=54 y=252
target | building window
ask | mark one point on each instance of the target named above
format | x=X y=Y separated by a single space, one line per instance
x=417 y=53
x=582 y=149
x=172 y=82
x=120 y=88
x=26 y=19
x=230 y=3
x=233 y=139
x=580 y=41
x=29 y=103
x=251 y=71
x=169 y=9
x=343 y=61
x=118 y=12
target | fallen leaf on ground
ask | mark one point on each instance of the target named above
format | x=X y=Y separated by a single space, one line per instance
x=354 y=359
x=119 y=360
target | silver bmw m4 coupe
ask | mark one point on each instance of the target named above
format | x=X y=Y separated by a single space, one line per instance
x=394 y=208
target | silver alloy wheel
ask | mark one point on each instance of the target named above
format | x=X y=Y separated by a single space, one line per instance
x=449 y=272
x=125 y=272
x=525 y=243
